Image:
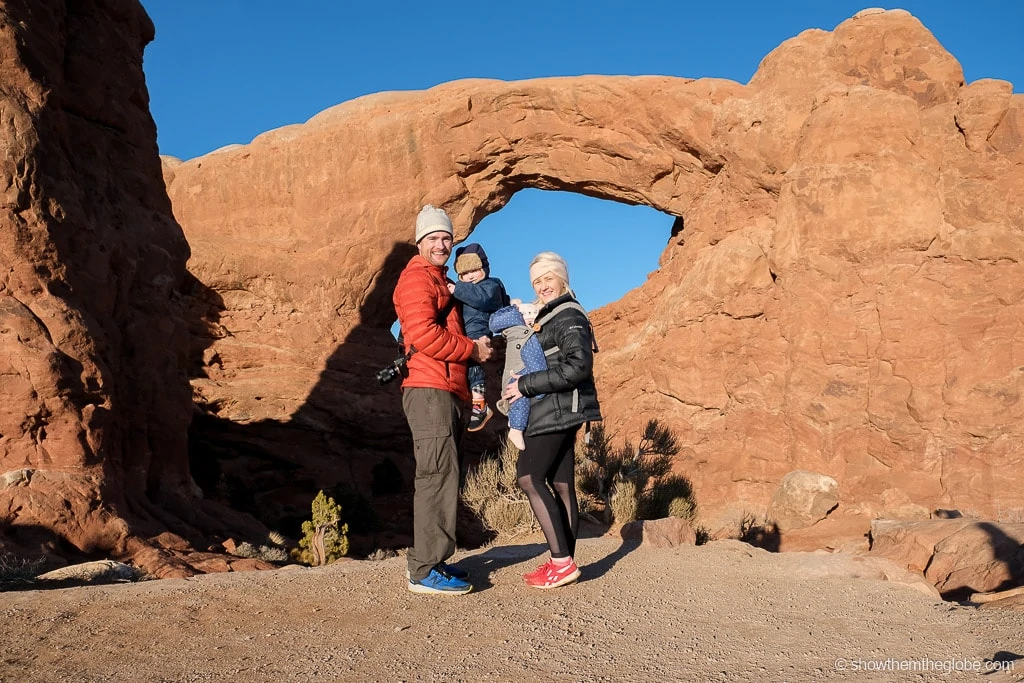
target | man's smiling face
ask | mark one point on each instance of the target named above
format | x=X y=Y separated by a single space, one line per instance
x=436 y=247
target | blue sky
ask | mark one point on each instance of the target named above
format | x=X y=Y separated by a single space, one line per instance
x=224 y=71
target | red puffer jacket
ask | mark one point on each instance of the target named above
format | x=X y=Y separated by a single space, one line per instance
x=441 y=347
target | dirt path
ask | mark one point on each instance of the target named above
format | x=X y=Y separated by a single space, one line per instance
x=723 y=611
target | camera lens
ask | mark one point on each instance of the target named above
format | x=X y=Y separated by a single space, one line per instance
x=387 y=374
x=391 y=371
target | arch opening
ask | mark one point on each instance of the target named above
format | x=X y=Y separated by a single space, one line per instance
x=610 y=247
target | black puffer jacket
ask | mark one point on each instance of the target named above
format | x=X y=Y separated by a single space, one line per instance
x=569 y=396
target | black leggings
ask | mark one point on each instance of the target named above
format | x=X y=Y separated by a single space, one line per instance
x=549 y=459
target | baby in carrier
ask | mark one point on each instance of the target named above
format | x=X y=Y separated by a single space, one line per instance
x=523 y=354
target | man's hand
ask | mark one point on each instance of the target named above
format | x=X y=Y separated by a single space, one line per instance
x=451 y=287
x=481 y=350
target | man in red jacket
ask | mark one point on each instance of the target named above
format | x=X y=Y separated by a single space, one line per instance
x=434 y=397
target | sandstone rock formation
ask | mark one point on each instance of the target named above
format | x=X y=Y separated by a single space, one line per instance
x=957 y=556
x=842 y=291
x=93 y=348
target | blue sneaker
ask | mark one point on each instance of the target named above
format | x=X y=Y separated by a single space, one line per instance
x=460 y=574
x=440 y=581
x=451 y=569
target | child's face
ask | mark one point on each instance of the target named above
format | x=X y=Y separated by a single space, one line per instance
x=529 y=312
x=472 y=275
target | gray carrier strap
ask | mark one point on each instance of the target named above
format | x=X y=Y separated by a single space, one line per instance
x=558 y=309
x=539 y=323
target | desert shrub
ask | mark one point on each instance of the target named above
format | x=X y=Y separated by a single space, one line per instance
x=324 y=537
x=271 y=551
x=381 y=554
x=590 y=504
x=14 y=568
x=624 y=500
x=634 y=482
x=620 y=484
x=761 y=533
x=671 y=496
x=492 y=493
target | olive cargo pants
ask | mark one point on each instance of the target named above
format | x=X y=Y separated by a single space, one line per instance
x=436 y=421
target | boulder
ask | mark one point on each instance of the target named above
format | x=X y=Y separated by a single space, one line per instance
x=955 y=555
x=668 y=532
x=100 y=571
x=802 y=499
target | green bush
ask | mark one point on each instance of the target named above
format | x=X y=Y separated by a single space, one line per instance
x=324 y=538
x=671 y=496
x=633 y=482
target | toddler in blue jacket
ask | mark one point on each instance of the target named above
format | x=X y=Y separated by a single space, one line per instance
x=480 y=295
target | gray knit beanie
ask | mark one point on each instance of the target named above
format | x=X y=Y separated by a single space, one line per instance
x=432 y=220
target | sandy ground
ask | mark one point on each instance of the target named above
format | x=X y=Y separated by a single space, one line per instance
x=723 y=611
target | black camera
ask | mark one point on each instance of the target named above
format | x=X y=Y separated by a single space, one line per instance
x=393 y=370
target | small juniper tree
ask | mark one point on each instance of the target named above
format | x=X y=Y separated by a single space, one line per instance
x=635 y=482
x=324 y=538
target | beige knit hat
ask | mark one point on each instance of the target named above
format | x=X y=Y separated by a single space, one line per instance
x=432 y=220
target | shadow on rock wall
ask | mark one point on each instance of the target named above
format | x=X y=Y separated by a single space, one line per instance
x=1006 y=551
x=341 y=440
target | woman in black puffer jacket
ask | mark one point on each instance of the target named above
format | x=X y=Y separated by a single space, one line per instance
x=567 y=400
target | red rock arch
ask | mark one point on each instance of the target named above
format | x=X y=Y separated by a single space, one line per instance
x=774 y=335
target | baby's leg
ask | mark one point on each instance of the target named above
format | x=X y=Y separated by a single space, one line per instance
x=477 y=382
x=516 y=437
x=518 y=416
x=480 y=413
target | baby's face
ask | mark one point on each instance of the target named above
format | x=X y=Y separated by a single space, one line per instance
x=529 y=312
x=472 y=275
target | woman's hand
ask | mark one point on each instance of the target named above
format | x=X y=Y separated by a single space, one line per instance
x=451 y=287
x=511 y=392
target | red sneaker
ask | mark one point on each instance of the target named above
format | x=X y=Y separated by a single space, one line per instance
x=554 y=575
x=538 y=572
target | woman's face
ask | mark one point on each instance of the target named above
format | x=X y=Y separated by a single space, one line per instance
x=548 y=286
